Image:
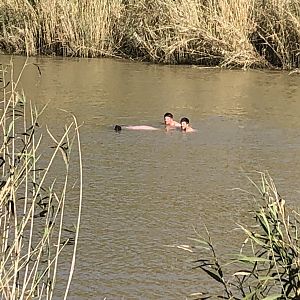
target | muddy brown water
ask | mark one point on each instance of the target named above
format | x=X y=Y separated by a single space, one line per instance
x=145 y=191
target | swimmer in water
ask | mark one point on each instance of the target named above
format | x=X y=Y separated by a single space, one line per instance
x=118 y=128
x=185 y=125
x=169 y=121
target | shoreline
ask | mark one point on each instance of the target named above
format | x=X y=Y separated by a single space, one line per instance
x=238 y=34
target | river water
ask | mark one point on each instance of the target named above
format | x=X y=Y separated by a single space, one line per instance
x=145 y=191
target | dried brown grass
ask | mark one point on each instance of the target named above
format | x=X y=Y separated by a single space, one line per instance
x=226 y=33
x=34 y=231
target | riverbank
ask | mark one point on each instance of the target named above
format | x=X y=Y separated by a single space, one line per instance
x=232 y=33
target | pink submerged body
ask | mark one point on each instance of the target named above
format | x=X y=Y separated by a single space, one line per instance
x=141 y=127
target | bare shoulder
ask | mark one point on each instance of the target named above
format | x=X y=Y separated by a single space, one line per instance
x=190 y=129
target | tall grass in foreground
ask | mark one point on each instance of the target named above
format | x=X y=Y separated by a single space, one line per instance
x=268 y=264
x=225 y=33
x=33 y=229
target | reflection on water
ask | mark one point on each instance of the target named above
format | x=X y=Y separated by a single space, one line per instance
x=145 y=191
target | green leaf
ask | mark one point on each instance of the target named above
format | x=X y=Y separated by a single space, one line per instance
x=249 y=296
x=266 y=278
x=253 y=237
x=251 y=259
x=273 y=297
x=213 y=275
x=264 y=222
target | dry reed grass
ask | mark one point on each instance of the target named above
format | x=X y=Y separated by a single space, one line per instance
x=68 y=28
x=226 y=33
x=33 y=229
x=278 y=32
x=191 y=31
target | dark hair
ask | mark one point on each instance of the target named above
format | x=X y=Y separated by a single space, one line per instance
x=185 y=119
x=118 y=128
x=168 y=114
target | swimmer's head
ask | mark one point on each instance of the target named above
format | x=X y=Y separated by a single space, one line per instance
x=168 y=118
x=118 y=128
x=184 y=123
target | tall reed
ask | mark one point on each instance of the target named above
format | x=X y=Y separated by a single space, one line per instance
x=225 y=33
x=278 y=32
x=212 y=32
x=33 y=227
x=70 y=28
x=268 y=263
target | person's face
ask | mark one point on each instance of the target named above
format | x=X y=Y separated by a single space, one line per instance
x=168 y=121
x=184 y=125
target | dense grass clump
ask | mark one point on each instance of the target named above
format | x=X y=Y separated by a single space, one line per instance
x=268 y=263
x=34 y=232
x=225 y=33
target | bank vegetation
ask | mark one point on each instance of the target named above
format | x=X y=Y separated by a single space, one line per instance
x=40 y=203
x=225 y=33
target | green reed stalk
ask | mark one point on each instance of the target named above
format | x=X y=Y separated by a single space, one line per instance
x=79 y=209
x=268 y=263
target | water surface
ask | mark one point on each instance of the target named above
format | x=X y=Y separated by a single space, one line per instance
x=147 y=190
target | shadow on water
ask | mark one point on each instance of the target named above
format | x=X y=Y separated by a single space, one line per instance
x=146 y=190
